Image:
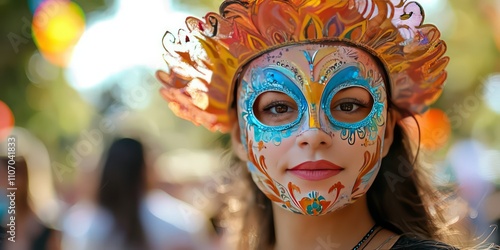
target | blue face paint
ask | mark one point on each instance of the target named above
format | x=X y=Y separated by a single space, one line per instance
x=264 y=80
x=279 y=80
x=346 y=78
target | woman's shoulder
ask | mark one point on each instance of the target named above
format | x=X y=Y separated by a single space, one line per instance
x=406 y=242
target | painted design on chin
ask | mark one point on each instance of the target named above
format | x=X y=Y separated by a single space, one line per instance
x=367 y=170
x=312 y=204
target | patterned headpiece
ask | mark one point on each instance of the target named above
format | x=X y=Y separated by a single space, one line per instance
x=205 y=61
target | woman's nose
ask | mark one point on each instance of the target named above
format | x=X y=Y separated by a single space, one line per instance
x=314 y=138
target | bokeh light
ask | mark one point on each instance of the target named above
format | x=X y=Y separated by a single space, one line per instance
x=57 y=27
x=471 y=161
x=492 y=92
x=6 y=120
x=434 y=129
x=40 y=71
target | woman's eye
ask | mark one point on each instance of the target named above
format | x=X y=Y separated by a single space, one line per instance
x=351 y=105
x=347 y=107
x=278 y=109
x=275 y=108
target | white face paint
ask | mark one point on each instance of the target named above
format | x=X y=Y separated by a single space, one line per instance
x=312 y=118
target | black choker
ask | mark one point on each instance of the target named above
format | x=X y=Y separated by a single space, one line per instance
x=367 y=235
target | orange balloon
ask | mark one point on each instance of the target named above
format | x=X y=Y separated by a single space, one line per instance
x=6 y=121
x=435 y=129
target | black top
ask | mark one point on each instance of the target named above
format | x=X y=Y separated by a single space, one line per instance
x=405 y=242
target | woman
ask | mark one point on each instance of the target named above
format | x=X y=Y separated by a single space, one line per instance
x=313 y=93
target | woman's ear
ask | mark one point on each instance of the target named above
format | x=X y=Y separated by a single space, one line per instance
x=392 y=117
x=238 y=147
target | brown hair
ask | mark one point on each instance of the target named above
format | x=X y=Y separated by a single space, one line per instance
x=396 y=199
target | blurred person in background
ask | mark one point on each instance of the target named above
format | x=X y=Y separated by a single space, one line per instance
x=128 y=214
x=30 y=232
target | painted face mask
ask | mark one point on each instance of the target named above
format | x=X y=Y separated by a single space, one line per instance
x=312 y=118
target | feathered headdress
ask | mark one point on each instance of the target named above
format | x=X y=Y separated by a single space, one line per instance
x=205 y=61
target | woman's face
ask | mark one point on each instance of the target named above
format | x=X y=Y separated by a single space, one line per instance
x=312 y=120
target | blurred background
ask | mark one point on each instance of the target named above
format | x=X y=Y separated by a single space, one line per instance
x=74 y=75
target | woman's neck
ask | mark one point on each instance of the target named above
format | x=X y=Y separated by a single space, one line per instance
x=341 y=229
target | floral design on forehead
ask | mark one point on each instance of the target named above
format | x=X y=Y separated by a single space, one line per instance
x=205 y=61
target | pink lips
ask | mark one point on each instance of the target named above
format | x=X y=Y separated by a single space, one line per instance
x=315 y=170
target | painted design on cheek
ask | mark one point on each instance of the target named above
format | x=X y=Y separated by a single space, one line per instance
x=265 y=184
x=367 y=170
x=367 y=143
x=269 y=135
x=261 y=145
